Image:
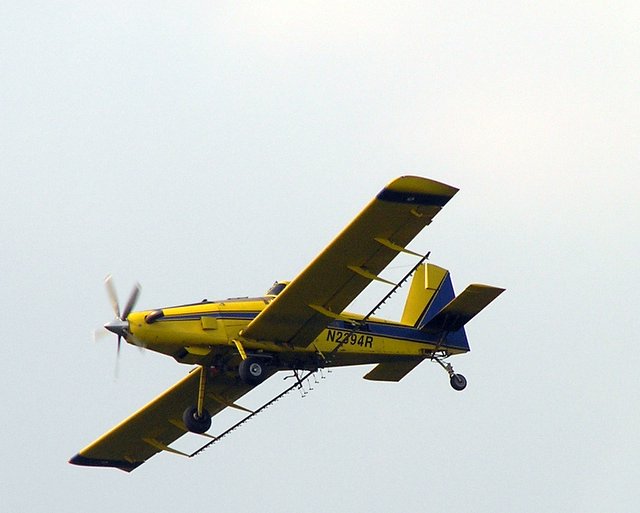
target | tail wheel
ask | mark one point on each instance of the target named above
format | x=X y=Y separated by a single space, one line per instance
x=458 y=382
x=194 y=422
x=252 y=370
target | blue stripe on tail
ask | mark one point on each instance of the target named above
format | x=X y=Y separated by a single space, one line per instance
x=442 y=298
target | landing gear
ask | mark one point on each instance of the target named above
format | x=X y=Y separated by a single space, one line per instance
x=196 y=423
x=252 y=370
x=196 y=418
x=458 y=382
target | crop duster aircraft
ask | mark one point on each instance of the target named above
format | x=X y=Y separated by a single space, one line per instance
x=298 y=326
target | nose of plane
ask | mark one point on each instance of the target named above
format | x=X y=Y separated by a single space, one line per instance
x=118 y=326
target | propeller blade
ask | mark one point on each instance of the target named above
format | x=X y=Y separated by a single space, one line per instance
x=98 y=333
x=116 y=370
x=113 y=297
x=131 y=302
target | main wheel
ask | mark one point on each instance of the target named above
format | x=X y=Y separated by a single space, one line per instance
x=458 y=382
x=252 y=370
x=194 y=422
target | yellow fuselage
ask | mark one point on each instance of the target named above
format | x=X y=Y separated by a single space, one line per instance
x=198 y=333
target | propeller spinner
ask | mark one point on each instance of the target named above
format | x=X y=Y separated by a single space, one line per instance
x=120 y=325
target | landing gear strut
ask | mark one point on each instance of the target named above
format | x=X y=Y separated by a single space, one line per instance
x=196 y=418
x=458 y=381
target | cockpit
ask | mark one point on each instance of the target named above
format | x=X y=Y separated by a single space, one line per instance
x=277 y=287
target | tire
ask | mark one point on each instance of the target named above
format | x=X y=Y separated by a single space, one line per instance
x=195 y=423
x=458 y=382
x=252 y=370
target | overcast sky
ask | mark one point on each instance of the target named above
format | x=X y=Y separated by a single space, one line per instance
x=206 y=149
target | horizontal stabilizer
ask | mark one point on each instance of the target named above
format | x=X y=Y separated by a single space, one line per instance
x=391 y=371
x=462 y=308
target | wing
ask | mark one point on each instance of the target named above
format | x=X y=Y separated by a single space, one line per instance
x=338 y=274
x=152 y=428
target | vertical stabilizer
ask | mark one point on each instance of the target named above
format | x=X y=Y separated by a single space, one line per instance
x=430 y=291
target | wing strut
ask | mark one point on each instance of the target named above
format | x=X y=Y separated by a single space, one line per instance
x=396 y=247
x=368 y=275
x=328 y=313
x=230 y=404
x=163 y=447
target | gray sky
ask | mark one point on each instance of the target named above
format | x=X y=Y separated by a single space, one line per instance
x=207 y=149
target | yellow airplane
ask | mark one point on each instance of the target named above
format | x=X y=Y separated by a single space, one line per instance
x=297 y=326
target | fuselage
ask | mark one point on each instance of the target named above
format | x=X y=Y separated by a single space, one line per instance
x=206 y=333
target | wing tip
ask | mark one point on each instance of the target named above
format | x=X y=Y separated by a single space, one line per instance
x=84 y=461
x=417 y=190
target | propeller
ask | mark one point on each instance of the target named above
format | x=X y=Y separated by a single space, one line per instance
x=120 y=325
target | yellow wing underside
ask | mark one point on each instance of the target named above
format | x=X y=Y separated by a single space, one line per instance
x=354 y=258
x=158 y=424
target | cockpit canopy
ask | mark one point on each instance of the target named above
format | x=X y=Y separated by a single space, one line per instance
x=277 y=287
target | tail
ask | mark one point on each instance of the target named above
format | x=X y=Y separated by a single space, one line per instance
x=433 y=307
x=430 y=291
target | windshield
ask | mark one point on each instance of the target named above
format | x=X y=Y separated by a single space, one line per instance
x=276 y=288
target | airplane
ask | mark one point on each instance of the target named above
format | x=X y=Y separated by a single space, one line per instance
x=299 y=326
